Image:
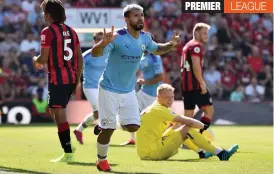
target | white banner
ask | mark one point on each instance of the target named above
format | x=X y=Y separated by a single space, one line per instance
x=95 y=17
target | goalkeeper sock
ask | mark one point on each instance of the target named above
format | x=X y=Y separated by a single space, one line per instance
x=189 y=144
x=202 y=142
x=64 y=137
x=87 y=121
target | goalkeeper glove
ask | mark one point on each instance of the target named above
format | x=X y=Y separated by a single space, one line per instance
x=205 y=128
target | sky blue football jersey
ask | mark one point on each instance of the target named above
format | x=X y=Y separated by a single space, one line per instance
x=151 y=65
x=124 y=55
x=93 y=69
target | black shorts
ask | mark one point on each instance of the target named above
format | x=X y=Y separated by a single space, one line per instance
x=59 y=95
x=193 y=98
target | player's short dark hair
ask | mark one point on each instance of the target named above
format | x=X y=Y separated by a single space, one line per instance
x=55 y=9
x=97 y=34
x=129 y=8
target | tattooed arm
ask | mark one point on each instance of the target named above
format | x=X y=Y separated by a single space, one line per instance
x=164 y=48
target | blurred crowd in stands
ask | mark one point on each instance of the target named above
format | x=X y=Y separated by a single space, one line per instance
x=238 y=56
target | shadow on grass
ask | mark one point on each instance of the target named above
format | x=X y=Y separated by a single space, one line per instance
x=85 y=164
x=132 y=172
x=117 y=145
x=186 y=160
x=9 y=169
x=243 y=152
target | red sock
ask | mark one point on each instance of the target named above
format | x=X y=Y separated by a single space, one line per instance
x=205 y=119
x=64 y=137
x=63 y=126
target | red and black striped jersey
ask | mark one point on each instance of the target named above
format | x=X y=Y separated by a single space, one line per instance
x=63 y=59
x=189 y=81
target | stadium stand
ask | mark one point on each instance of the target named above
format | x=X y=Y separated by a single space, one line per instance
x=238 y=58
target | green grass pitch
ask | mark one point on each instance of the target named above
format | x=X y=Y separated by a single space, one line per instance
x=28 y=149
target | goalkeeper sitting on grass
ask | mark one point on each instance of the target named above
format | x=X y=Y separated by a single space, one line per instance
x=162 y=132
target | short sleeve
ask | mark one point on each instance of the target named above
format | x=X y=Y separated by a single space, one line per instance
x=87 y=54
x=108 y=48
x=166 y=114
x=151 y=45
x=157 y=65
x=46 y=38
x=196 y=50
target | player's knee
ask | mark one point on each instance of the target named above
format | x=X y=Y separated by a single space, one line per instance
x=107 y=132
x=58 y=114
x=131 y=128
x=105 y=136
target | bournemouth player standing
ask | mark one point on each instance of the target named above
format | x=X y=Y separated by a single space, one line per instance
x=61 y=51
x=195 y=91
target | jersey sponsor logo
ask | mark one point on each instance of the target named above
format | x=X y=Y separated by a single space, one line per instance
x=197 y=50
x=131 y=59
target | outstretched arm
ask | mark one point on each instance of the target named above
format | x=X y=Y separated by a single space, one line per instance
x=166 y=47
x=163 y=48
x=191 y=122
x=98 y=48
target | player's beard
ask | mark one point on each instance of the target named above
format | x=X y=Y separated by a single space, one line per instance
x=137 y=27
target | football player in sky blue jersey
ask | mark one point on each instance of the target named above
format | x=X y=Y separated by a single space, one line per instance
x=116 y=86
x=92 y=71
x=153 y=75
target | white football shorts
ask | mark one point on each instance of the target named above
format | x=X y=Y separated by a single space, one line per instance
x=92 y=96
x=112 y=106
x=144 y=100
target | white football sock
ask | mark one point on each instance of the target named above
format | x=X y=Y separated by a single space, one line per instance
x=102 y=150
x=87 y=121
x=132 y=135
